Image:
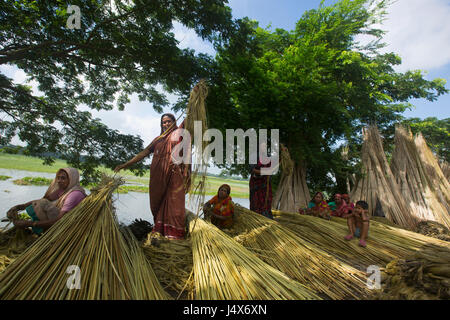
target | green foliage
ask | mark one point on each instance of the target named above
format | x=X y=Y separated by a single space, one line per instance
x=2 y=178
x=122 y=48
x=436 y=132
x=11 y=150
x=33 y=181
x=316 y=84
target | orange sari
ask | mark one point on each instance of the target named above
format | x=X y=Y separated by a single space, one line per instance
x=222 y=208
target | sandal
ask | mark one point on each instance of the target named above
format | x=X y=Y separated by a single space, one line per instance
x=362 y=243
x=348 y=237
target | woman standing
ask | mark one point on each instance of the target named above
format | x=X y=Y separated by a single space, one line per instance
x=168 y=180
x=261 y=190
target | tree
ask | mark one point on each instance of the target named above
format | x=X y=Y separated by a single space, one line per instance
x=121 y=48
x=436 y=132
x=316 y=84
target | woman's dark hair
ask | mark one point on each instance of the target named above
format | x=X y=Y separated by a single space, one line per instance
x=171 y=116
x=362 y=204
x=226 y=186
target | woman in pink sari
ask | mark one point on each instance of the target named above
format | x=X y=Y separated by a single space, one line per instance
x=168 y=180
x=64 y=194
x=338 y=207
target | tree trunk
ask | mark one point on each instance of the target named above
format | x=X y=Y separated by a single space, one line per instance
x=292 y=192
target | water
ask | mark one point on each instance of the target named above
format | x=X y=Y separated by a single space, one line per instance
x=129 y=206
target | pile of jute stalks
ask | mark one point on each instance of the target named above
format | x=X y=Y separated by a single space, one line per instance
x=84 y=250
x=294 y=257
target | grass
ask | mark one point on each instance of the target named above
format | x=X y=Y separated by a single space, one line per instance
x=4 y=178
x=33 y=181
x=239 y=188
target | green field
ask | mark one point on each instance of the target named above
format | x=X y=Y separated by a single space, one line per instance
x=239 y=188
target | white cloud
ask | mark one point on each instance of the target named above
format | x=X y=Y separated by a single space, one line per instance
x=419 y=32
x=189 y=39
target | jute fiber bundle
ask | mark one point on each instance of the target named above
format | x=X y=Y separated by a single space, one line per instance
x=445 y=167
x=225 y=270
x=439 y=184
x=416 y=185
x=422 y=276
x=378 y=183
x=110 y=265
x=12 y=243
x=384 y=244
x=292 y=192
x=196 y=112
x=172 y=262
x=302 y=261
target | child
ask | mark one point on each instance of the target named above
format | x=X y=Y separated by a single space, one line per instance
x=220 y=208
x=358 y=222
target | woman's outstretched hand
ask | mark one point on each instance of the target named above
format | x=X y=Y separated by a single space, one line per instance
x=119 y=167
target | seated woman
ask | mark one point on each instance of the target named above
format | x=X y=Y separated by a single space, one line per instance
x=350 y=205
x=338 y=207
x=63 y=194
x=317 y=207
x=220 y=208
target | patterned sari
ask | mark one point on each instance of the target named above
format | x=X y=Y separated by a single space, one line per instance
x=261 y=192
x=222 y=208
x=168 y=187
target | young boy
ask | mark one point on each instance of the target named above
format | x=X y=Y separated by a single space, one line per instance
x=358 y=222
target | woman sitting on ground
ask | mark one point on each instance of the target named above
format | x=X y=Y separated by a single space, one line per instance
x=350 y=205
x=338 y=207
x=317 y=207
x=220 y=208
x=64 y=194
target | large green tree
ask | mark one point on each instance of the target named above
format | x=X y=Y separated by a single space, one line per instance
x=435 y=131
x=317 y=84
x=121 y=48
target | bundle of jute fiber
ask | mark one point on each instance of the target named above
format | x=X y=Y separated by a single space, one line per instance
x=378 y=184
x=83 y=256
x=172 y=262
x=436 y=178
x=433 y=229
x=445 y=167
x=292 y=192
x=424 y=275
x=415 y=184
x=13 y=242
x=225 y=270
x=385 y=243
x=305 y=262
x=329 y=236
x=196 y=123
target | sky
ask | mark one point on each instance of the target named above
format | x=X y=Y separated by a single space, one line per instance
x=417 y=30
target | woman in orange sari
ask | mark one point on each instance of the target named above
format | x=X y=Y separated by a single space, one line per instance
x=220 y=208
x=168 y=180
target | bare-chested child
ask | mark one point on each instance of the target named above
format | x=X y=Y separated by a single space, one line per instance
x=358 y=222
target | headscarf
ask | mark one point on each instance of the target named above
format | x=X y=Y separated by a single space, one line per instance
x=74 y=184
x=226 y=186
x=322 y=205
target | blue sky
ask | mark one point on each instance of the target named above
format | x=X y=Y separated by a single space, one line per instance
x=418 y=30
